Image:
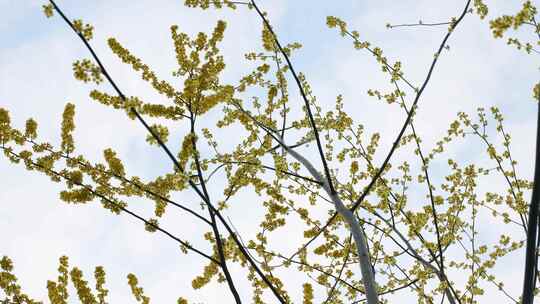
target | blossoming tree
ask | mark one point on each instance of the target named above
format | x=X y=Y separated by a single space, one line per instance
x=298 y=160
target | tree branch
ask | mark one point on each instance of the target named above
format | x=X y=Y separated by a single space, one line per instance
x=169 y=154
x=304 y=97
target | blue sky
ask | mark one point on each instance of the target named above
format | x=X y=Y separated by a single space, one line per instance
x=36 y=81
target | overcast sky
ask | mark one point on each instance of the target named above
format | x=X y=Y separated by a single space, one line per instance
x=36 y=81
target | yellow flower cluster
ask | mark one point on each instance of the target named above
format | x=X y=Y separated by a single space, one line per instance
x=137 y=291
x=161 y=86
x=48 y=10
x=86 y=30
x=501 y=24
x=267 y=39
x=102 y=292
x=209 y=272
x=9 y=286
x=151 y=225
x=333 y=22
x=481 y=8
x=115 y=164
x=31 y=129
x=5 y=127
x=308 y=293
x=68 y=126
x=160 y=131
x=81 y=285
x=87 y=71
x=202 y=76
x=77 y=196
x=181 y=301
x=58 y=291
x=186 y=151
x=205 y=4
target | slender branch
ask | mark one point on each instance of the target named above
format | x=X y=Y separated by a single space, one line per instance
x=432 y=200
x=126 y=180
x=215 y=229
x=413 y=282
x=481 y=268
x=386 y=65
x=338 y=279
x=116 y=204
x=531 y=255
x=499 y=166
x=300 y=143
x=311 y=180
x=390 y=26
x=304 y=97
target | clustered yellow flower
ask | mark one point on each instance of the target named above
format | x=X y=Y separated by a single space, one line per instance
x=137 y=291
x=68 y=126
x=31 y=129
x=151 y=225
x=308 y=293
x=87 y=71
x=115 y=164
x=205 y=4
x=481 y=8
x=160 y=131
x=48 y=10
x=58 y=291
x=9 y=286
x=210 y=271
x=86 y=30
x=102 y=292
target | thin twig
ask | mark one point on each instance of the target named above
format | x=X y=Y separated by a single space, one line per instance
x=390 y=26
